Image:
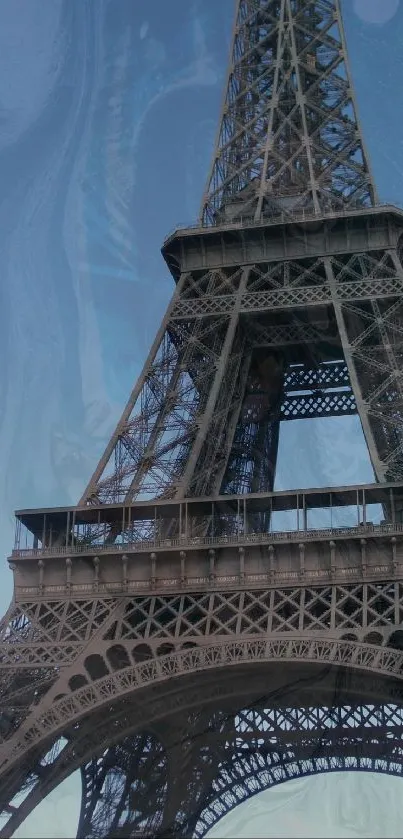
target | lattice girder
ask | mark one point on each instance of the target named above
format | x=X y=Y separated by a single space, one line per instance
x=289 y=135
x=288 y=304
x=209 y=402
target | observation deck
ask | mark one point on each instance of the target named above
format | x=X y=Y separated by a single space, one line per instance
x=287 y=538
x=291 y=235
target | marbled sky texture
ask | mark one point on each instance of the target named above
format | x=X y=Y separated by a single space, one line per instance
x=108 y=111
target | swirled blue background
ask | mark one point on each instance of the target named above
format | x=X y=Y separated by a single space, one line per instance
x=108 y=111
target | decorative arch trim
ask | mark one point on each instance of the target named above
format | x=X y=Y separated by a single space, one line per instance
x=216 y=655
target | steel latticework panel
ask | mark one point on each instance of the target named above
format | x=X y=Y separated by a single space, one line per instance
x=165 y=637
x=204 y=416
x=288 y=135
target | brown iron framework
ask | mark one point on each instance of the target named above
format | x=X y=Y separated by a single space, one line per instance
x=170 y=635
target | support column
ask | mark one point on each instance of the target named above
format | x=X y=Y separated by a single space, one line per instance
x=379 y=467
x=205 y=420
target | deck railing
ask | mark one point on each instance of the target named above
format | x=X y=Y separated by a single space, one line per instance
x=181 y=542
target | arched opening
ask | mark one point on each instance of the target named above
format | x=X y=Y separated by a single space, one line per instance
x=141 y=652
x=300 y=719
x=318 y=806
x=396 y=640
x=267 y=750
x=95 y=667
x=117 y=657
x=374 y=638
x=285 y=703
x=77 y=682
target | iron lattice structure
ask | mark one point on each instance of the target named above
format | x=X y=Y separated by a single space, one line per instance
x=166 y=636
x=289 y=136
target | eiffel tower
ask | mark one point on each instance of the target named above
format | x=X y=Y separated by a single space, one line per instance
x=166 y=636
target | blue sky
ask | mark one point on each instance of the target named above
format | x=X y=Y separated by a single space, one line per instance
x=108 y=111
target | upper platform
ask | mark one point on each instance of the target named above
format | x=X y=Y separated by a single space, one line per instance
x=45 y=525
x=281 y=237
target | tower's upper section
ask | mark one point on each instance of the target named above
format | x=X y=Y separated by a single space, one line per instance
x=289 y=136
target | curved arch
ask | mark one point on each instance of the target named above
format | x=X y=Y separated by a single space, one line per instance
x=235 y=795
x=223 y=689
x=259 y=748
x=106 y=689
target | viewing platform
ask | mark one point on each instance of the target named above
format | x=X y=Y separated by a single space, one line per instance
x=280 y=538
